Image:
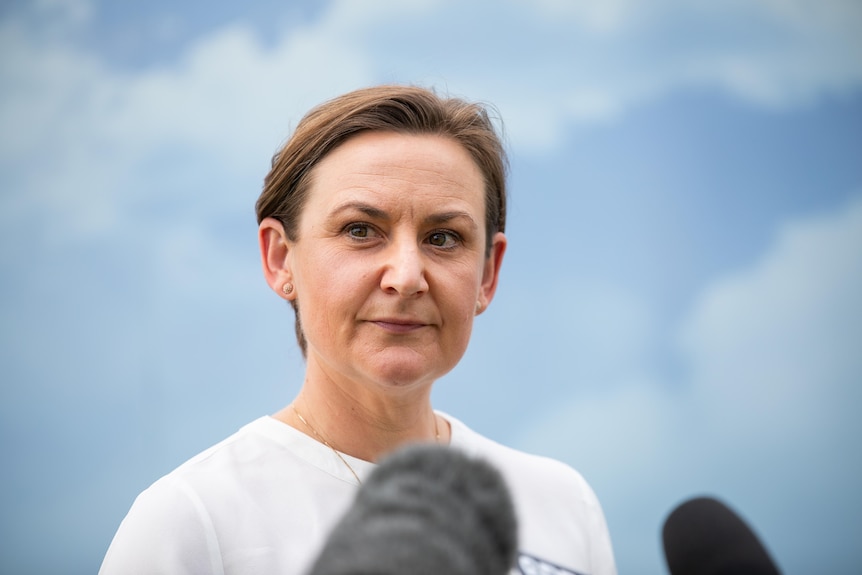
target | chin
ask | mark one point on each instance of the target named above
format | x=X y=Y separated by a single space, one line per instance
x=396 y=370
x=404 y=377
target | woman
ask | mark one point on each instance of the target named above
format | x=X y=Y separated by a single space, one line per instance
x=381 y=222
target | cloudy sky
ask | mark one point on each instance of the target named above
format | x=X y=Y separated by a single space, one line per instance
x=680 y=309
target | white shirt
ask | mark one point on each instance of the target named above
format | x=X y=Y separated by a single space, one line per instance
x=264 y=500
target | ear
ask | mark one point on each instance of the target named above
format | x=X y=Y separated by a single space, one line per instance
x=275 y=249
x=491 y=272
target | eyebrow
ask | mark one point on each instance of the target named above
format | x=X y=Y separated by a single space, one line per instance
x=433 y=219
x=368 y=210
x=444 y=217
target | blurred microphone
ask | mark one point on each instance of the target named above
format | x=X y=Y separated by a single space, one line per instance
x=426 y=510
x=702 y=536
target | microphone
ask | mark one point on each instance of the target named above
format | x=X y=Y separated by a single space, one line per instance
x=425 y=510
x=702 y=536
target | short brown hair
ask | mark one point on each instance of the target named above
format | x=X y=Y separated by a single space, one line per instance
x=389 y=108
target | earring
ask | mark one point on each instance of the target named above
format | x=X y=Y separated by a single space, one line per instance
x=287 y=288
x=478 y=308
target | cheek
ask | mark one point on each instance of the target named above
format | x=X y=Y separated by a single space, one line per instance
x=456 y=341
x=461 y=296
x=334 y=291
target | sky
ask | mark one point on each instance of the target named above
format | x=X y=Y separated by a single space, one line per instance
x=679 y=311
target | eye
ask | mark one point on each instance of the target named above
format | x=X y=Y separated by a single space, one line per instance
x=360 y=231
x=443 y=239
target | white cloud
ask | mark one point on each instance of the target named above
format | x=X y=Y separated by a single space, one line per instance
x=81 y=138
x=550 y=65
x=77 y=130
x=603 y=17
x=779 y=344
x=771 y=394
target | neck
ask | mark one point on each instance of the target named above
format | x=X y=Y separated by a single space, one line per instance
x=364 y=425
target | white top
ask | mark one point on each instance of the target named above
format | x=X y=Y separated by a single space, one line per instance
x=264 y=500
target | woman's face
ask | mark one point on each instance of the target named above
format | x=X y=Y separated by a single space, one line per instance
x=390 y=264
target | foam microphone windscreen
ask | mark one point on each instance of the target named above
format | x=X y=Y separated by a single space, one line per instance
x=703 y=536
x=425 y=510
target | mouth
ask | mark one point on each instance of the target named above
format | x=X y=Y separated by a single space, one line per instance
x=398 y=326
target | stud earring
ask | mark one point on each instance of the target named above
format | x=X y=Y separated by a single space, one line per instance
x=478 y=308
x=287 y=288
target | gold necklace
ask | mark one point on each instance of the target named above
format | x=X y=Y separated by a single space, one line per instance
x=337 y=453
x=326 y=443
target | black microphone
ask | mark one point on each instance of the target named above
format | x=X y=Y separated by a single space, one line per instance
x=425 y=510
x=703 y=536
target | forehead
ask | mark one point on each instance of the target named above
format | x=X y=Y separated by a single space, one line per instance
x=398 y=168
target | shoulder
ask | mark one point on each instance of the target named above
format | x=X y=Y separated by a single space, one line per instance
x=246 y=444
x=166 y=530
x=215 y=473
x=521 y=469
x=169 y=527
x=560 y=521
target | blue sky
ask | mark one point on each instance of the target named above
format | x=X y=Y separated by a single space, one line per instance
x=679 y=311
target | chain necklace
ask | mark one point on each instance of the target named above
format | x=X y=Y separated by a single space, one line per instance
x=338 y=453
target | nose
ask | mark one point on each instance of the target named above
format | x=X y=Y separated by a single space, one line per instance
x=404 y=270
